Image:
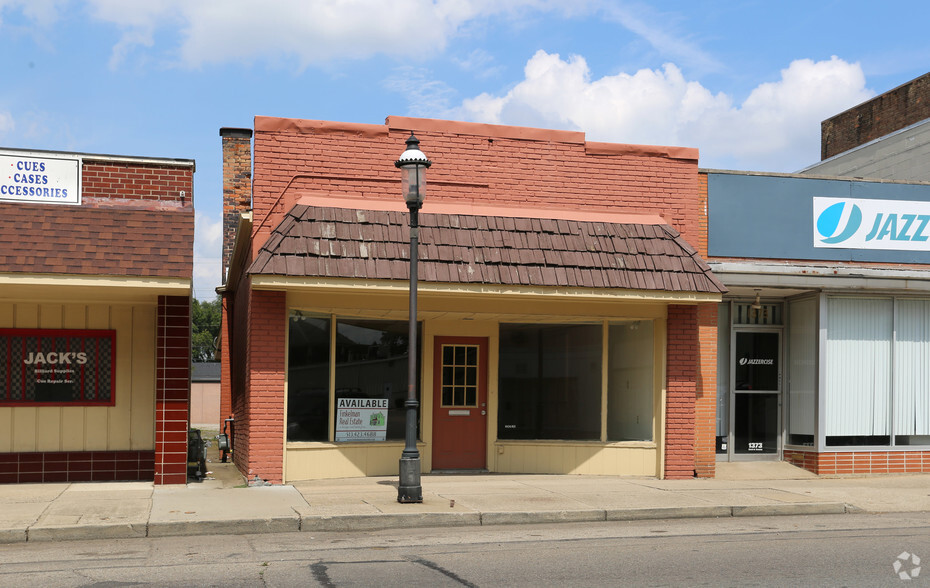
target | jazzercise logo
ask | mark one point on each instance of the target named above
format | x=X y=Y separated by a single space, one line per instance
x=828 y=222
x=748 y=361
x=872 y=224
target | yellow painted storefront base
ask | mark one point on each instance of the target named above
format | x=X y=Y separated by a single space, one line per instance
x=127 y=425
x=319 y=461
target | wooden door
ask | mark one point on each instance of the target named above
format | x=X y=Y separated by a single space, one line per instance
x=460 y=403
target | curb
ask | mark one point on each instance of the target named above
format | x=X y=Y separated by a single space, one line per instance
x=378 y=522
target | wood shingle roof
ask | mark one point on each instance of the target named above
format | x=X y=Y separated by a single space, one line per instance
x=315 y=241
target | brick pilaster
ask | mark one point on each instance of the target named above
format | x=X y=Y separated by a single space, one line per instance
x=172 y=388
x=705 y=409
x=264 y=421
x=681 y=387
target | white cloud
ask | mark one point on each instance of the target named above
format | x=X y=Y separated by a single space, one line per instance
x=208 y=252
x=777 y=128
x=220 y=31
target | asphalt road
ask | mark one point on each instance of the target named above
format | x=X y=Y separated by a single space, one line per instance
x=837 y=550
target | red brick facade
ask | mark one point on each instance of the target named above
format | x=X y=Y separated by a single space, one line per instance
x=483 y=165
x=860 y=462
x=172 y=390
x=259 y=408
x=681 y=377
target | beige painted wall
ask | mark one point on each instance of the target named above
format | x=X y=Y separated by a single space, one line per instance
x=472 y=316
x=130 y=424
x=205 y=405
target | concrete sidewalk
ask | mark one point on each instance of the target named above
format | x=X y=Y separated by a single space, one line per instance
x=50 y=512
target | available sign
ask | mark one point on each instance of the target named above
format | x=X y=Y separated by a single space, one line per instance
x=37 y=178
x=55 y=366
x=361 y=419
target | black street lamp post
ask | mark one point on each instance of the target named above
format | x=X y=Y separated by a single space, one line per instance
x=412 y=164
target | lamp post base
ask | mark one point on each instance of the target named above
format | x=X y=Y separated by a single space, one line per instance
x=409 y=488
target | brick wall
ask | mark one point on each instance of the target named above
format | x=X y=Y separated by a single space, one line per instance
x=117 y=182
x=172 y=388
x=860 y=462
x=504 y=166
x=237 y=185
x=894 y=110
x=681 y=374
x=259 y=446
x=705 y=408
x=225 y=353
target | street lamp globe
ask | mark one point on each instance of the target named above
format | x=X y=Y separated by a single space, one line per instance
x=413 y=165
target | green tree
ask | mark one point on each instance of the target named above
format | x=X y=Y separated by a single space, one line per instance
x=205 y=329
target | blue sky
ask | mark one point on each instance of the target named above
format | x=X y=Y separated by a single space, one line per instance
x=745 y=82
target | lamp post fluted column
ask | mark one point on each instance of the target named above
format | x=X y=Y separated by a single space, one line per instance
x=413 y=164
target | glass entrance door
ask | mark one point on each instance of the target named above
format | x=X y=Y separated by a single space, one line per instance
x=756 y=378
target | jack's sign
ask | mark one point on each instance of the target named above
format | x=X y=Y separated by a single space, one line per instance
x=58 y=367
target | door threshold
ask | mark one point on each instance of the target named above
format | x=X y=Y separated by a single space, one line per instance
x=458 y=472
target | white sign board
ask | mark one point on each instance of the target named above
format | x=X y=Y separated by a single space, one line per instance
x=858 y=223
x=39 y=179
x=361 y=419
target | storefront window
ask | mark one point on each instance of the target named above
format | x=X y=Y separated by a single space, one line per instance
x=802 y=371
x=550 y=382
x=912 y=373
x=858 y=367
x=370 y=365
x=630 y=382
x=308 y=379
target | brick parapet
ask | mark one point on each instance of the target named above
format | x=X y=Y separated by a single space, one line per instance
x=892 y=111
x=115 y=183
x=237 y=185
x=505 y=171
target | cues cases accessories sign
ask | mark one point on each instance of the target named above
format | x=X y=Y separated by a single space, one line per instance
x=39 y=178
x=57 y=367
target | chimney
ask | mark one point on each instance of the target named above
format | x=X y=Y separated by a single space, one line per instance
x=237 y=185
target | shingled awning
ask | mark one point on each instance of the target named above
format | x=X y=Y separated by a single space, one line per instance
x=87 y=241
x=315 y=241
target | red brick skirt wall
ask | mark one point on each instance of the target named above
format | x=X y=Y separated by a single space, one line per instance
x=77 y=466
x=860 y=462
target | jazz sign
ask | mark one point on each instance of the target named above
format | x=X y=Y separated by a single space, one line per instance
x=856 y=223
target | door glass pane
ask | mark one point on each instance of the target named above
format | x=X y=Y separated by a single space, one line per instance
x=757 y=361
x=460 y=375
x=755 y=428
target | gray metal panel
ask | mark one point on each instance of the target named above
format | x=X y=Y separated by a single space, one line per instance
x=771 y=216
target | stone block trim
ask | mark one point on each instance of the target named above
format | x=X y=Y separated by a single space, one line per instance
x=172 y=388
x=681 y=387
x=892 y=111
x=861 y=462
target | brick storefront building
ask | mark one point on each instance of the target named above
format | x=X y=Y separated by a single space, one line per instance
x=564 y=315
x=95 y=317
